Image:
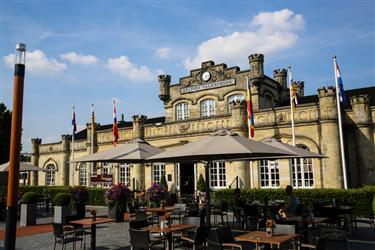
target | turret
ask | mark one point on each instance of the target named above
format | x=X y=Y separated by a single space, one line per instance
x=138 y=129
x=361 y=109
x=327 y=103
x=300 y=88
x=256 y=65
x=279 y=75
x=164 y=81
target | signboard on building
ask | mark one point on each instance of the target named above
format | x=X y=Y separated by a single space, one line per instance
x=105 y=179
x=211 y=85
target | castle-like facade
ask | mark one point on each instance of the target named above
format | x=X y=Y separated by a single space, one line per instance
x=212 y=98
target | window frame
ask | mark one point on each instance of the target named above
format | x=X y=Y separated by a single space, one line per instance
x=217 y=171
x=208 y=108
x=268 y=175
x=158 y=169
x=182 y=111
x=124 y=174
x=50 y=178
x=304 y=171
x=83 y=179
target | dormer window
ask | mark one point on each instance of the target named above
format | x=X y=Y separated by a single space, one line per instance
x=208 y=108
x=182 y=111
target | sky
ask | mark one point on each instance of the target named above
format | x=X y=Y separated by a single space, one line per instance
x=84 y=52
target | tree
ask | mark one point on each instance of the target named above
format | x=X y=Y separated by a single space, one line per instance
x=201 y=184
x=163 y=182
x=5 y=127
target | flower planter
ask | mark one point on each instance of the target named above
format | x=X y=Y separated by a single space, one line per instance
x=28 y=215
x=116 y=213
x=60 y=212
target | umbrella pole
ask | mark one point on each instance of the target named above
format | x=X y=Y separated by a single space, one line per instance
x=208 y=199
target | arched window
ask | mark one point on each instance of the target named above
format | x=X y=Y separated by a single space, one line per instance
x=182 y=111
x=208 y=108
x=82 y=174
x=269 y=173
x=50 y=175
x=234 y=98
x=217 y=175
x=124 y=174
x=302 y=171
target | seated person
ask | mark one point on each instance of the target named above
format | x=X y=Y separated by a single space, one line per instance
x=292 y=202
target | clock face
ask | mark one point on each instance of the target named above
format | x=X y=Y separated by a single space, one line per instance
x=206 y=76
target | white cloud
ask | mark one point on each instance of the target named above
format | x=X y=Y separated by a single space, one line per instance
x=75 y=58
x=38 y=63
x=163 y=53
x=124 y=67
x=267 y=33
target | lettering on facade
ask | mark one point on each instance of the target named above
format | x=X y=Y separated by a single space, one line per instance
x=210 y=85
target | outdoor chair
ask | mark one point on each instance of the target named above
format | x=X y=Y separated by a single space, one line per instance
x=214 y=245
x=318 y=243
x=286 y=229
x=221 y=209
x=179 y=212
x=79 y=229
x=369 y=219
x=195 y=243
x=64 y=235
x=224 y=236
x=140 y=240
x=138 y=224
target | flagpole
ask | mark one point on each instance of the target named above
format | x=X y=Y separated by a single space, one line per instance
x=249 y=131
x=73 y=132
x=292 y=113
x=343 y=164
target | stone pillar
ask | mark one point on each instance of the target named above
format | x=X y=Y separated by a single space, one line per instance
x=164 y=82
x=139 y=133
x=330 y=140
x=364 y=137
x=279 y=75
x=65 y=143
x=35 y=143
x=239 y=125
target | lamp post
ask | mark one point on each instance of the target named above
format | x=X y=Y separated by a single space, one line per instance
x=15 y=148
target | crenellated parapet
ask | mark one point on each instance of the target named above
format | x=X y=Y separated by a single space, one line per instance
x=279 y=75
x=138 y=126
x=300 y=88
x=164 y=82
x=361 y=109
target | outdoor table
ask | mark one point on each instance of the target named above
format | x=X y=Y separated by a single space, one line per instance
x=169 y=231
x=92 y=223
x=300 y=219
x=160 y=209
x=260 y=237
x=341 y=209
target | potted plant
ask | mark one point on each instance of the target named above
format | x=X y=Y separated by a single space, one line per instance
x=163 y=182
x=117 y=200
x=201 y=188
x=80 y=196
x=62 y=207
x=155 y=194
x=28 y=209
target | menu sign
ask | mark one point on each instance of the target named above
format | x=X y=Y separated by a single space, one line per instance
x=106 y=179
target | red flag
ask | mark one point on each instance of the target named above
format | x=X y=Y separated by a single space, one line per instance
x=115 y=128
x=250 y=113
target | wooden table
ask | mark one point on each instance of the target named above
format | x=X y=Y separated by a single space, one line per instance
x=260 y=237
x=169 y=231
x=159 y=209
x=92 y=223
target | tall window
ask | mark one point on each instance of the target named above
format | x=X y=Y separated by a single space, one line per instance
x=269 y=173
x=217 y=175
x=125 y=174
x=50 y=175
x=234 y=98
x=208 y=108
x=107 y=168
x=182 y=111
x=82 y=174
x=158 y=170
x=302 y=171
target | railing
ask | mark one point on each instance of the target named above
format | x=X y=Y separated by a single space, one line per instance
x=239 y=182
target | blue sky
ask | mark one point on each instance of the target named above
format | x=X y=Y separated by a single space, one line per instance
x=83 y=52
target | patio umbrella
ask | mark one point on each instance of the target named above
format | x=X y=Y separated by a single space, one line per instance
x=133 y=151
x=24 y=167
x=301 y=153
x=220 y=145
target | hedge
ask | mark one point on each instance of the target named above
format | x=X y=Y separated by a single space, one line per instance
x=362 y=198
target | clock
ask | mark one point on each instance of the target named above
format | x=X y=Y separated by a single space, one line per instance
x=206 y=76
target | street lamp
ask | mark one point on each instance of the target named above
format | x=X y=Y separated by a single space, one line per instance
x=15 y=147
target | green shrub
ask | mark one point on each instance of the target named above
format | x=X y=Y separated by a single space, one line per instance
x=30 y=198
x=201 y=184
x=163 y=182
x=63 y=199
x=360 y=198
x=96 y=196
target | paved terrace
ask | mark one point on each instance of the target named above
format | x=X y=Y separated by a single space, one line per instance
x=116 y=236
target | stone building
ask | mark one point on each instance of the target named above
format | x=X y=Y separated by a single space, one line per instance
x=211 y=98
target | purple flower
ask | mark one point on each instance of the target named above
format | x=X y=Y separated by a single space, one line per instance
x=156 y=192
x=117 y=193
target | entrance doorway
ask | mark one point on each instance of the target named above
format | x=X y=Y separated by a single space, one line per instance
x=186 y=178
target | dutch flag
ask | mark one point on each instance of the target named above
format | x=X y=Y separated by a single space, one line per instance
x=339 y=84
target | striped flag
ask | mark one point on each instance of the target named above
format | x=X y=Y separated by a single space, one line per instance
x=250 y=113
x=339 y=84
x=74 y=123
x=115 y=128
x=293 y=91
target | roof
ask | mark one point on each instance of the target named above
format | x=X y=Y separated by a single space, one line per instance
x=348 y=93
x=82 y=135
